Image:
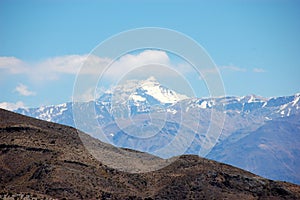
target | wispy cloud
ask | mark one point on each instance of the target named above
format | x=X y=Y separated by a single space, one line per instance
x=233 y=68
x=259 y=70
x=12 y=106
x=24 y=91
x=239 y=69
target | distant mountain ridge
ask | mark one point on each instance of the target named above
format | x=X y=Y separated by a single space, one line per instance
x=272 y=150
x=140 y=95
x=142 y=101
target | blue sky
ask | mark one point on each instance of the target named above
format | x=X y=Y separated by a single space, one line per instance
x=255 y=44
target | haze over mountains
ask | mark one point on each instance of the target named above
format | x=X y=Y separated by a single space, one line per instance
x=43 y=160
x=259 y=134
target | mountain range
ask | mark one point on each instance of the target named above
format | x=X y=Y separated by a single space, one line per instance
x=258 y=134
x=45 y=160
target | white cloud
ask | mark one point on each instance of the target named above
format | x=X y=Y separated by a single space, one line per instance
x=71 y=64
x=49 y=69
x=12 y=65
x=52 y=68
x=87 y=96
x=24 y=91
x=129 y=63
x=65 y=64
x=12 y=106
x=233 y=68
x=259 y=70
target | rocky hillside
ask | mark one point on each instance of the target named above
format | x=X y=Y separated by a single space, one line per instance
x=40 y=159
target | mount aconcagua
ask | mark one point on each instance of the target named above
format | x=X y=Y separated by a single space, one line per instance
x=261 y=135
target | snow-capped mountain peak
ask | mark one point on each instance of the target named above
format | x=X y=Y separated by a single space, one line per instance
x=164 y=95
x=132 y=97
x=149 y=90
x=253 y=98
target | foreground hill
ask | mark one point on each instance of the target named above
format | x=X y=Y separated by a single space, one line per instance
x=47 y=160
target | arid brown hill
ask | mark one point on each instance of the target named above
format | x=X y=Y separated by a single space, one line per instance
x=39 y=159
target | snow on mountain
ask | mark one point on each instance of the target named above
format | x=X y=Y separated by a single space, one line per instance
x=61 y=113
x=159 y=92
x=46 y=113
x=139 y=96
x=149 y=90
x=270 y=107
x=253 y=98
